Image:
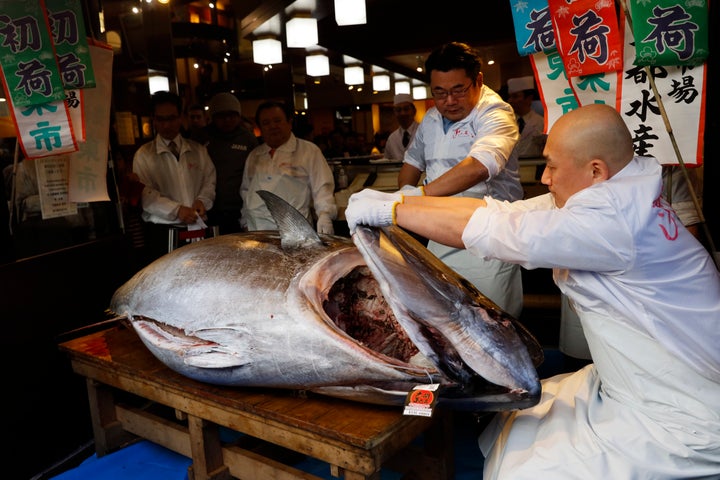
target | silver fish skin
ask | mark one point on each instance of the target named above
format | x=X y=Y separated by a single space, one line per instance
x=262 y=309
x=439 y=308
x=241 y=310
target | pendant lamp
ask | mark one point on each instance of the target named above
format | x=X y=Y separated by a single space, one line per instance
x=354 y=75
x=317 y=65
x=350 y=12
x=381 y=82
x=301 y=31
x=267 y=51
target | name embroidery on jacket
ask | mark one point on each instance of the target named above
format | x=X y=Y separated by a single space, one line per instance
x=668 y=220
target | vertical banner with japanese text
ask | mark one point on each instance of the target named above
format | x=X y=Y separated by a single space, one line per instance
x=670 y=32
x=682 y=90
x=30 y=71
x=533 y=27
x=70 y=41
x=587 y=35
x=32 y=80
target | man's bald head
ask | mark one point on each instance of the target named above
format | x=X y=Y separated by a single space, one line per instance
x=595 y=132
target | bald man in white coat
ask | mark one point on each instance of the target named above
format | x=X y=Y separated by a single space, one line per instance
x=647 y=294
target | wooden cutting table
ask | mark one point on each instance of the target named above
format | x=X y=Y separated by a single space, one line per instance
x=132 y=394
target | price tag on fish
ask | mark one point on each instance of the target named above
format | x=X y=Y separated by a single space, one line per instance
x=421 y=400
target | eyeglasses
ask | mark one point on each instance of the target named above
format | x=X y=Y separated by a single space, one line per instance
x=458 y=92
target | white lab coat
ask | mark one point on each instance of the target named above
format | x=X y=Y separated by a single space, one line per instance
x=488 y=134
x=648 y=296
x=297 y=172
x=171 y=183
x=530 y=144
x=393 y=147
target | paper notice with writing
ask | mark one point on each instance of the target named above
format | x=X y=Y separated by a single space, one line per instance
x=52 y=176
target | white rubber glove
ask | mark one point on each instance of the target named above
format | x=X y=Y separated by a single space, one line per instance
x=410 y=191
x=372 y=212
x=371 y=194
x=325 y=225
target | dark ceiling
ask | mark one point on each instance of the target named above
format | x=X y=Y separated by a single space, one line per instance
x=396 y=32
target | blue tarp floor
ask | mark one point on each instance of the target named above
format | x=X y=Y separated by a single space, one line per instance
x=145 y=460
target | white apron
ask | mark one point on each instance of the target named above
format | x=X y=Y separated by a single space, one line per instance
x=626 y=427
x=294 y=190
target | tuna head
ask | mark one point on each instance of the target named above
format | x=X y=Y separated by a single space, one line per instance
x=469 y=338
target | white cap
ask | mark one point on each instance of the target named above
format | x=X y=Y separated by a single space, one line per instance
x=521 y=83
x=402 y=98
x=224 y=102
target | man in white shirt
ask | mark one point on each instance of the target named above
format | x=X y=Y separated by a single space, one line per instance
x=400 y=139
x=290 y=167
x=521 y=95
x=465 y=145
x=177 y=173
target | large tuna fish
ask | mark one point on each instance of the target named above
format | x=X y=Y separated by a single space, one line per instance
x=368 y=322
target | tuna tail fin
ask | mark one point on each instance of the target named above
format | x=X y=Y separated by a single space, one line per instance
x=295 y=230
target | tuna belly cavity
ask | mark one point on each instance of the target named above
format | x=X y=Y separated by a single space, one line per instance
x=357 y=307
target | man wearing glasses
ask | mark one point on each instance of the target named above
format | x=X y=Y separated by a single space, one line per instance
x=399 y=140
x=177 y=174
x=465 y=147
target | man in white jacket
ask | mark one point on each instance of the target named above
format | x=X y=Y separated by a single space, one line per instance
x=177 y=173
x=290 y=167
x=647 y=294
x=465 y=146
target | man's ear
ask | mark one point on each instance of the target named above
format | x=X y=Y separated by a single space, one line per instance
x=600 y=170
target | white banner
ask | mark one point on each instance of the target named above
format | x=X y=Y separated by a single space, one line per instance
x=88 y=166
x=682 y=90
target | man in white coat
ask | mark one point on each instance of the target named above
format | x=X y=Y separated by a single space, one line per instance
x=521 y=95
x=177 y=173
x=399 y=140
x=647 y=294
x=465 y=146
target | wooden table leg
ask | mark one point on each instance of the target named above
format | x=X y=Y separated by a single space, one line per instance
x=207 y=456
x=107 y=430
x=345 y=474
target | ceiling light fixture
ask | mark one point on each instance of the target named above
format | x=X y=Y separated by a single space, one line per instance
x=267 y=51
x=350 y=12
x=381 y=82
x=354 y=75
x=419 y=92
x=403 y=86
x=301 y=31
x=158 y=83
x=317 y=65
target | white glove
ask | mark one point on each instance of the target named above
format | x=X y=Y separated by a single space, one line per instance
x=371 y=194
x=325 y=225
x=372 y=212
x=410 y=191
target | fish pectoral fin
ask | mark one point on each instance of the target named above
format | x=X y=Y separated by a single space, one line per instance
x=214 y=358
